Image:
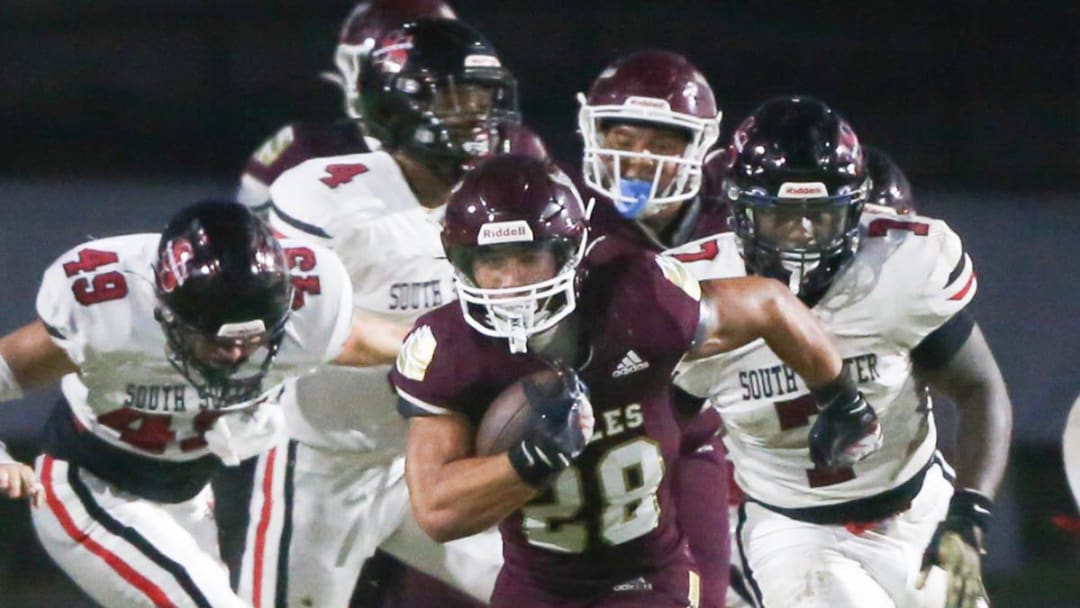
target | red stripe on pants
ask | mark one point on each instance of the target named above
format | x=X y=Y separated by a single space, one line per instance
x=126 y=572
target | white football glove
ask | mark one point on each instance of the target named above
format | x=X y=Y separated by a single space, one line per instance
x=239 y=435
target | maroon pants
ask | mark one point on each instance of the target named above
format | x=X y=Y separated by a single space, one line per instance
x=674 y=586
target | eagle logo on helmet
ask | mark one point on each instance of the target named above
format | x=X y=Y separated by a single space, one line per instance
x=392 y=52
x=172 y=269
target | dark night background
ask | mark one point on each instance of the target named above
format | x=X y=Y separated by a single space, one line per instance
x=114 y=113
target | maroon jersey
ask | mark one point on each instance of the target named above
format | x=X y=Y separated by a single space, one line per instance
x=609 y=517
x=290 y=146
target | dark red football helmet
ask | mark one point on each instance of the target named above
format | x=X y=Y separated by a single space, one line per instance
x=521 y=140
x=797 y=184
x=222 y=282
x=889 y=186
x=513 y=201
x=368 y=22
x=654 y=88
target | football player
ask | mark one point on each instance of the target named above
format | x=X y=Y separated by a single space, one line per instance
x=893 y=291
x=436 y=96
x=294 y=143
x=648 y=123
x=586 y=518
x=170 y=349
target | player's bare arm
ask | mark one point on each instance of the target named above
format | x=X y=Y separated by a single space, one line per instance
x=454 y=494
x=373 y=340
x=30 y=359
x=34 y=359
x=974 y=383
x=738 y=311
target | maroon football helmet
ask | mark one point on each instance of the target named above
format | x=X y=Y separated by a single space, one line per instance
x=653 y=88
x=368 y=22
x=521 y=140
x=514 y=201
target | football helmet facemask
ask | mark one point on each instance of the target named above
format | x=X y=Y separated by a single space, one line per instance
x=657 y=89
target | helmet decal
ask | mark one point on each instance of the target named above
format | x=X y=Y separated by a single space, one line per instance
x=392 y=53
x=516 y=231
x=174 y=270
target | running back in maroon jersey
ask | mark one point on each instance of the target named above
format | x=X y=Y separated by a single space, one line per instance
x=609 y=517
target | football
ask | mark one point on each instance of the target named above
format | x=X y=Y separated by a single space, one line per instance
x=510 y=417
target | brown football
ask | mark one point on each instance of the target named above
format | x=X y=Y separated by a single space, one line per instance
x=510 y=417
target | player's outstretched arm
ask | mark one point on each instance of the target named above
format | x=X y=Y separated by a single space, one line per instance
x=29 y=358
x=738 y=311
x=971 y=378
x=454 y=494
x=373 y=340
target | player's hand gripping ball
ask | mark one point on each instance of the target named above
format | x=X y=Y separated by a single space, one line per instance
x=543 y=420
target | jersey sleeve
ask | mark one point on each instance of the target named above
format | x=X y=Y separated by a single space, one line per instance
x=84 y=295
x=943 y=282
x=429 y=375
x=322 y=302
x=712 y=257
x=313 y=200
x=266 y=163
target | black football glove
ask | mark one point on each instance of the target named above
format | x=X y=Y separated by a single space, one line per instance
x=957 y=547
x=563 y=425
x=846 y=429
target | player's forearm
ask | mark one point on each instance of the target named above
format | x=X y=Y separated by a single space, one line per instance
x=31 y=359
x=982 y=445
x=372 y=341
x=467 y=496
x=799 y=340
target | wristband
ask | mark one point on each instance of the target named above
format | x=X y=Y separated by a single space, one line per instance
x=841 y=390
x=9 y=386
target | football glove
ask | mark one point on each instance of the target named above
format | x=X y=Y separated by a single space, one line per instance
x=846 y=429
x=957 y=547
x=563 y=425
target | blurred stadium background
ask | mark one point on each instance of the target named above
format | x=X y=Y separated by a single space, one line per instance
x=116 y=112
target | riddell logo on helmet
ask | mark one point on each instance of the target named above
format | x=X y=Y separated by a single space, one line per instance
x=647 y=102
x=482 y=61
x=803 y=190
x=517 y=231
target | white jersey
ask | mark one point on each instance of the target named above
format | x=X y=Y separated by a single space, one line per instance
x=910 y=275
x=361 y=206
x=98 y=303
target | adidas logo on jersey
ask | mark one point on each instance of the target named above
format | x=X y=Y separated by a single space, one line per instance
x=630 y=363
